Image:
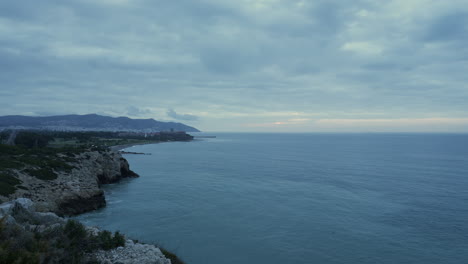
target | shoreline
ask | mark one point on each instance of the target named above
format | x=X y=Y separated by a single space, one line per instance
x=114 y=168
x=124 y=146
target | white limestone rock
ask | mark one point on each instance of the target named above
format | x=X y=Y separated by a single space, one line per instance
x=133 y=253
x=77 y=191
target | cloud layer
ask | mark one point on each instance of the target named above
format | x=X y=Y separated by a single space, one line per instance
x=184 y=117
x=238 y=65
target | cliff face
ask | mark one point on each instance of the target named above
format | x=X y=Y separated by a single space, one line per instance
x=77 y=191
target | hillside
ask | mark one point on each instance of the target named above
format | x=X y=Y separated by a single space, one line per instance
x=91 y=122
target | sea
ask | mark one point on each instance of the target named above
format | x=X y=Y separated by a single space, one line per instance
x=267 y=198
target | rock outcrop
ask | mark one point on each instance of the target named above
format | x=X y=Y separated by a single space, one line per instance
x=21 y=216
x=78 y=190
x=132 y=253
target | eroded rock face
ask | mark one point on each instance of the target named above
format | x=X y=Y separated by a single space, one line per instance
x=78 y=205
x=79 y=190
x=125 y=169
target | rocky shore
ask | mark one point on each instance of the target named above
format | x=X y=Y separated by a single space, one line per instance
x=78 y=190
x=48 y=175
x=33 y=214
x=29 y=236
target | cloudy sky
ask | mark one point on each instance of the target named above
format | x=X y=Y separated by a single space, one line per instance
x=241 y=65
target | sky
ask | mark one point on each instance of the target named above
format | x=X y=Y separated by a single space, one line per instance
x=241 y=65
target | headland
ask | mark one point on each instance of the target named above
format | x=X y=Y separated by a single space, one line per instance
x=61 y=174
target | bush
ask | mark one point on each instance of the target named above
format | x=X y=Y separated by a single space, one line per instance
x=119 y=239
x=8 y=183
x=63 y=244
x=11 y=150
x=17 y=245
x=9 y=163
x=75 y=231
x=173 y=257
x=46 y=174
x=104 y=240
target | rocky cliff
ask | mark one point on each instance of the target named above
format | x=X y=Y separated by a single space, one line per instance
x=77 y=190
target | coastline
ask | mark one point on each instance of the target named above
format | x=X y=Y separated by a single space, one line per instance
x=124 y=146
x=73 y=186
x=51 y=178
x=168 y=137
x=83 y=193
x=64 y=240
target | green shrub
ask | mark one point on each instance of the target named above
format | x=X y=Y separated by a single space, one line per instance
x=58 y=164
x=119 y=239
x=105 y=240
x=67 y=243
x=32 y=160
x=8 y=183
x=173 y=257
x=17 y=245
x=44 y=161
x=11 y=150
x=9 y=163
x=6 y=189
x=78 y=237
x=46 y=174
x=75 y=231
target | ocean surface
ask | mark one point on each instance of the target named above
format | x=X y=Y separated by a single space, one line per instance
x=298 y=198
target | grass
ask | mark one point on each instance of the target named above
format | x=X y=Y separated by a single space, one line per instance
x=52 y=162
x=8 y=183
x=6 y=163
x=42 y=163
x=46 y=174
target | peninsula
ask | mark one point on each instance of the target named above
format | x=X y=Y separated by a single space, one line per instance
x=62 y=173
x=90 y=122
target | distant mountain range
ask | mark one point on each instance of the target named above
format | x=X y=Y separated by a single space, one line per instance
x=91 y=122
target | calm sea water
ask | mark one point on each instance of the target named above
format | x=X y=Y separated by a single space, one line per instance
x=298 y=198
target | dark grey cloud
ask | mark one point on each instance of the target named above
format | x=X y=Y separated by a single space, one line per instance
x=134 y=111
x=230 y=58
x=449 y=27
x=184 y=117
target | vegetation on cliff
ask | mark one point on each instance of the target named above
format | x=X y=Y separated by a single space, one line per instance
x=42 y=163
x=50 y=163
x=8 y=183
x=60 y=244
x=29 y=237
x=77 y=139
x=44 y=154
